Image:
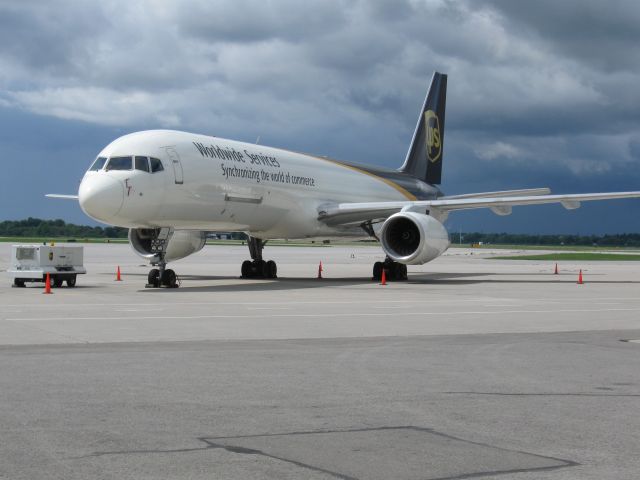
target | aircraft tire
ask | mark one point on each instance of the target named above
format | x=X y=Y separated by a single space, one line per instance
x=377 y=271
x=169 y=278
x=247 y=269
x=272 y=269
x=263 y=269
x=154 y=277
x=397 y=271
x=403 y=272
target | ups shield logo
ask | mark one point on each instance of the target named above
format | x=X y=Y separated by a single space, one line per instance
x=434 y=140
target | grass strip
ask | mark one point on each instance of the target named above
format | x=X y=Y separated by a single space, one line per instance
x=575 y=256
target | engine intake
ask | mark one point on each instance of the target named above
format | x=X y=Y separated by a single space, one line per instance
x=413 y=238
x=181 y=244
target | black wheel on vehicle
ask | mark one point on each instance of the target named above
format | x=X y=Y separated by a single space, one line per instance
x=247 y=269
x=154 y=277
x=57 y=282
x=18 y=282
x=71 y=281
x=272 y=269
x=169 y=279
x=377 y=271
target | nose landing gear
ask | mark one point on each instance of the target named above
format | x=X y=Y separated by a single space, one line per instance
x=161 y=276
x=257 y=267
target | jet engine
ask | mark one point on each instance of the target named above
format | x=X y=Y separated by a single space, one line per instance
x=413 y=238
x=181 y=244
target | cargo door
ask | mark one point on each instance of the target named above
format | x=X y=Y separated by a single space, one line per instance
x=65 y=257
x=177 y=165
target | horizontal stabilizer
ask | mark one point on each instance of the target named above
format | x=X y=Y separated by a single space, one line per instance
x=60 y=195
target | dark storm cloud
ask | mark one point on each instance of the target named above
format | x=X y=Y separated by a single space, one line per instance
x=41 y=40
x=250 y=21
x=595 y=32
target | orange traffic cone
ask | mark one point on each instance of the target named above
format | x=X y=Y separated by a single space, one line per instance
x=47 y=284
x=383 y=280
x=320 y=270
x=556 y=271
x=580 y=282
x=118 y=278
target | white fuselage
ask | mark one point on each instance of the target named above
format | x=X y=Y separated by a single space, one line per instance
x=215 y=184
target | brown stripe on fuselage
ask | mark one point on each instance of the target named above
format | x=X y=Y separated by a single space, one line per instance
x=385 y=176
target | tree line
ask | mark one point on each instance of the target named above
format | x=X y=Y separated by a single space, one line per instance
x=610 y=240
x=36 y=227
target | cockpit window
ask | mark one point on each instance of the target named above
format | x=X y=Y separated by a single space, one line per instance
x=98 y=164
x=141 y=163
x=119 y=163
x=156 y=165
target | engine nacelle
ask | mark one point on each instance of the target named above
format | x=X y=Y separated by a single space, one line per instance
x=181 y=244
x=413 y=238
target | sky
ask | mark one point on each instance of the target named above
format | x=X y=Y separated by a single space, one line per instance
x=539 y=93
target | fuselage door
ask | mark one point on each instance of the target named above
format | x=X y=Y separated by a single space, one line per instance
x=177 y=165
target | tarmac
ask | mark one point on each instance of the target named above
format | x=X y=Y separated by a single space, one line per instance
x=473 y=368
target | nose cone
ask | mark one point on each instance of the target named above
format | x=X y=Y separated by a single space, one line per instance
x=101 y=196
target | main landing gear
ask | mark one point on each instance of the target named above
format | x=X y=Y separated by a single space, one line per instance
x=161 y=276
x=393 y=270
x=257 y=267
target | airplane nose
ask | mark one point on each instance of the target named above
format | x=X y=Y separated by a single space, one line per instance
x=101 y=196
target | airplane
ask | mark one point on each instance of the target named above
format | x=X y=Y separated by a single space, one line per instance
x=170 y=188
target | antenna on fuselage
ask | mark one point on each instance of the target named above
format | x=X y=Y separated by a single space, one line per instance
x=258 y=140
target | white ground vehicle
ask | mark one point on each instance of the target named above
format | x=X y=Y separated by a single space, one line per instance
x=31 y=263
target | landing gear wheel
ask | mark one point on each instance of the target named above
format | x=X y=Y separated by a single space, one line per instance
x=398 y=271
x=257 y=267
x=18 y=282
x=247 y=269
x=153 y=278
x=261 y=269
x=377 y=271
x=403 y=272
x=169 y=279
x=272 y=269
x=393 y=270
x=71 y=282
x=57 y=282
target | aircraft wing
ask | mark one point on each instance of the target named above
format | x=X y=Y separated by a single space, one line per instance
x=60 y=195
x=343 y=213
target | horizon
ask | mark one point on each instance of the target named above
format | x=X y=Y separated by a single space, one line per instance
x=452 y=234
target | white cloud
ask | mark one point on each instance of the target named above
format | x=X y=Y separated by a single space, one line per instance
x=499 y=150
x=96 y=105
